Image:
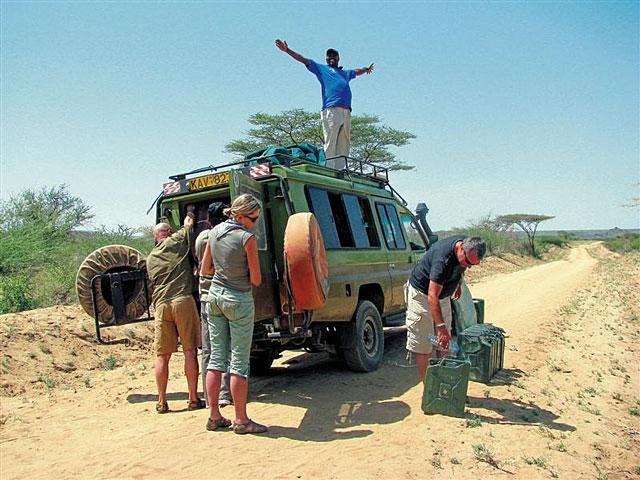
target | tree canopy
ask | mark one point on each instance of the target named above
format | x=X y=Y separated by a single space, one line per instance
x=370 y=140
x=50 y=207
x=528 y=222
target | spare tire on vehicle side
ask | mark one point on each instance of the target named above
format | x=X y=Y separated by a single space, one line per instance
x=306 y=260
x=111 y=259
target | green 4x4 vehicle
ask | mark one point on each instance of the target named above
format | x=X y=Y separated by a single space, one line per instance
x=371 y=242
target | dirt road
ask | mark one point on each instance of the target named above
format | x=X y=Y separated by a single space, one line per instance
x=566 y=405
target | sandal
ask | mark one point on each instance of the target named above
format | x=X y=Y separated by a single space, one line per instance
x=162 y=407
x=218 y=423
x=249 y=427
x=196 y=404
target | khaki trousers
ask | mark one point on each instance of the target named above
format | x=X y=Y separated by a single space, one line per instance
x=336 y=127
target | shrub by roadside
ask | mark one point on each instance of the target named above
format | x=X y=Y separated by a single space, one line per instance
x=500 y=241
x=624 y=244
x=39 y=252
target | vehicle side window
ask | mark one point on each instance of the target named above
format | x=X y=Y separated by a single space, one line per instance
x=322 y=210
x=346 y=220
x=391 y=226
x=386 y=226
x=361 y=221
x=392 y=213
x=415 y=240
x=369 y=223
x=341 y=220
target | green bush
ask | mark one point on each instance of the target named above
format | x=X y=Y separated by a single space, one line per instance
x=40 y=271
x=558 y=241
x=498 y=242
x=16 y=294
x=626 y=243
x=39 y=252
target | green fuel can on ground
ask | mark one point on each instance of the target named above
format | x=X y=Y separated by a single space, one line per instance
x=483 y=346
x=445 y=389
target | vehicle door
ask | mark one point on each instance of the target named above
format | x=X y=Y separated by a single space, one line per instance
x=400 y=258
x=265 y=301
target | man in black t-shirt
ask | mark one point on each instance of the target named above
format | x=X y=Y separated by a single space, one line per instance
x=435 y=278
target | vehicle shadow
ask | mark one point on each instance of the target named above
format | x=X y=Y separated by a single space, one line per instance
x=335 y=399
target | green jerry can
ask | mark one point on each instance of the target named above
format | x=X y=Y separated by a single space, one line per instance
x=445 y=389
x=483 y=346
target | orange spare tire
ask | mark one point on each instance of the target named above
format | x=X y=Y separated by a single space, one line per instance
x=306 y=260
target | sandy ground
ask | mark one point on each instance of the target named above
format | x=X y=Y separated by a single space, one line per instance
x=566 y=405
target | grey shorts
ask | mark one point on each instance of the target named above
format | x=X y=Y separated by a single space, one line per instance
x=420 y=322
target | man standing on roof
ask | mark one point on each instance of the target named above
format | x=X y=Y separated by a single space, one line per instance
x=336 y=102
x=176 y=313
x=435 y=278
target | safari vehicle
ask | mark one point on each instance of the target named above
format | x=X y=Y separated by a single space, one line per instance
x=371 y=242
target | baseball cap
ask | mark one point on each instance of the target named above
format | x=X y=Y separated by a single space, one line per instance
x=334 y=51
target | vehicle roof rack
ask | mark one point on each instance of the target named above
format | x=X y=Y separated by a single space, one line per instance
x=354 y=167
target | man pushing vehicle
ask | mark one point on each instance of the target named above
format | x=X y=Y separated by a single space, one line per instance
x=433 y=280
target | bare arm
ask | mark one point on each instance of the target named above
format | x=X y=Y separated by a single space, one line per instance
x=296 y=56
x=206 y=265
x=188 y=218
x=457 y=293
x=367 y=70
x=436 y=312
x=251 y=248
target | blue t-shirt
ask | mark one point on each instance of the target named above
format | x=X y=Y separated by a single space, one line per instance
x=335 y=84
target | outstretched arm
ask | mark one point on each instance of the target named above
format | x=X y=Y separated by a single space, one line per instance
x=367 y=70
x=296 y=56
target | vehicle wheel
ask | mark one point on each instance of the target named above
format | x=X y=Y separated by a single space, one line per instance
x=260 y=361
x=111 y=259
x=362 y=341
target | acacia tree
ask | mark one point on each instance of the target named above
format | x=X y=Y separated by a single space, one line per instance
x=50 y=207
x=528 y=222
x=370 y=141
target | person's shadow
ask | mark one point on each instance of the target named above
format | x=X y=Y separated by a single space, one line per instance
x=515 y=412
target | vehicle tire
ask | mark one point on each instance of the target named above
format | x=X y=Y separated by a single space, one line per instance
x=111 y=259
x=306 y=260
x=260 y=361
x=361 y=342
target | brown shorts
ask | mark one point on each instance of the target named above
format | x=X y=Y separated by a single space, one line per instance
x=177 y=318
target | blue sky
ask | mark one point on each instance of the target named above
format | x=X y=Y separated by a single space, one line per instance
x=517 y=107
